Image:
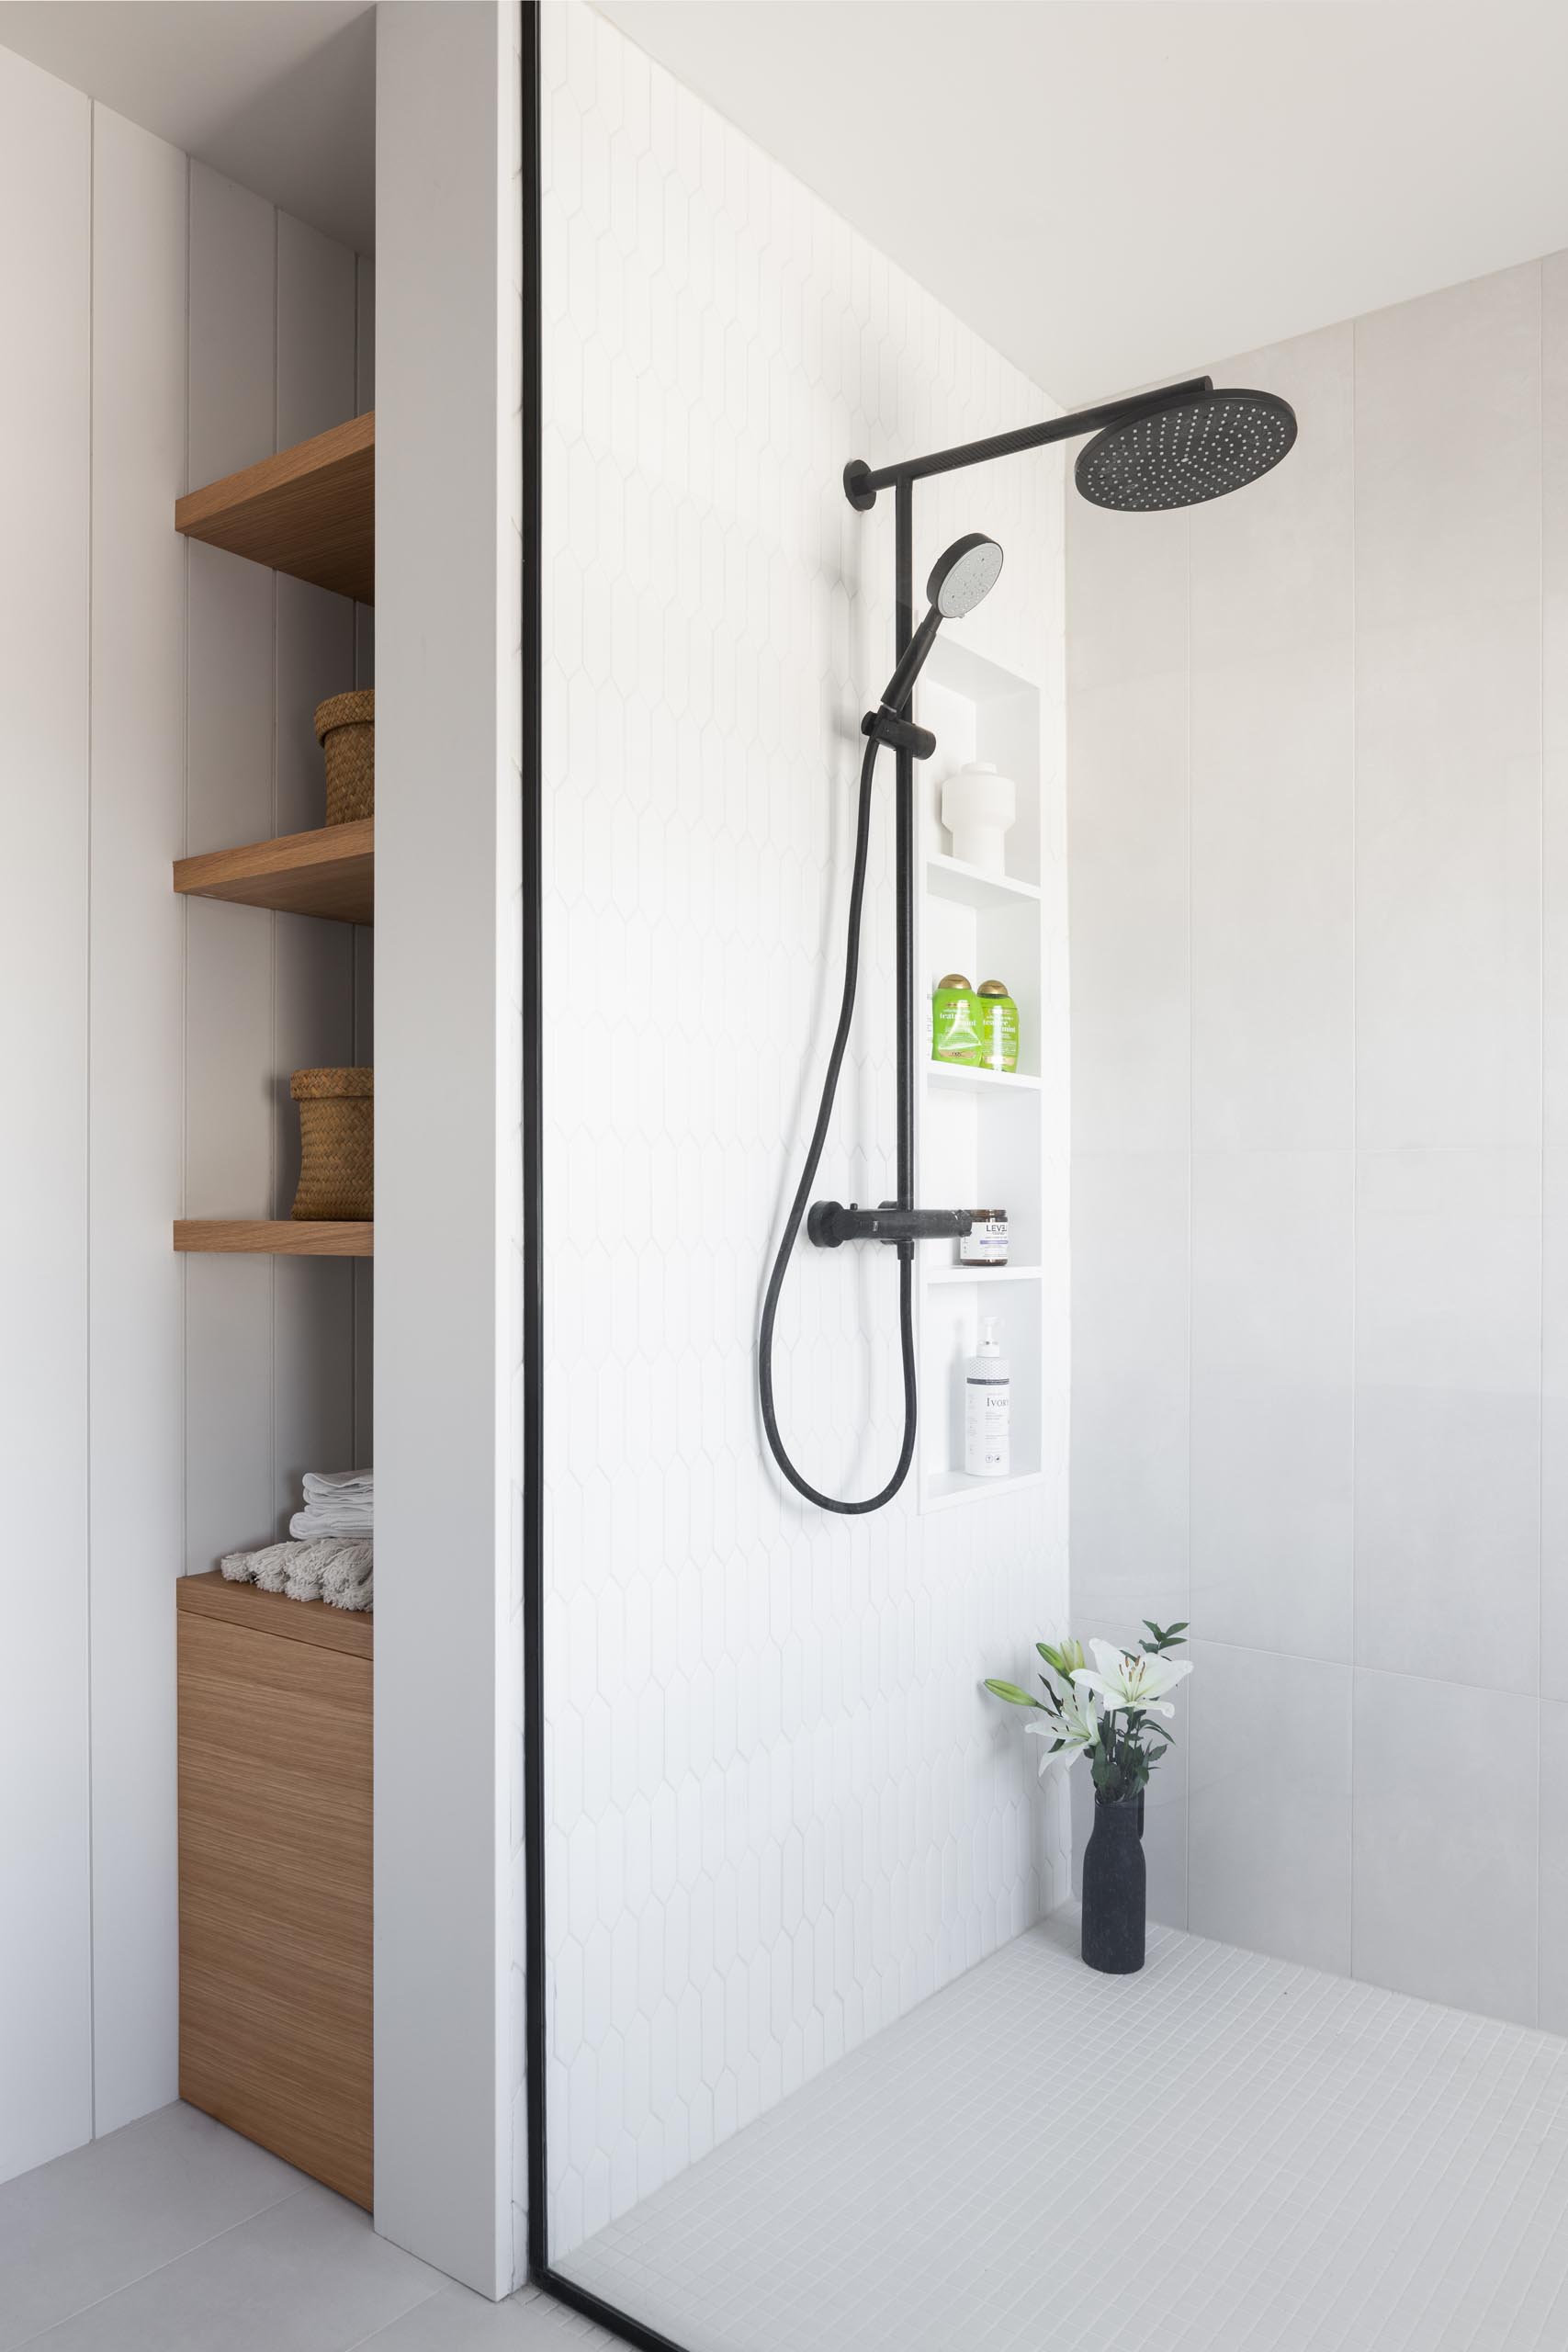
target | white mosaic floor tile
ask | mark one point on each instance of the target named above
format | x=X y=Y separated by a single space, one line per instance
x=1226 y=2154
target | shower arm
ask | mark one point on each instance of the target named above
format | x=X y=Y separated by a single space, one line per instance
x=906 y=1223
x=862 y=482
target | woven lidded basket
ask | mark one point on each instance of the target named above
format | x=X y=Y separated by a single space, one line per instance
x=345 y=730
x=337 y=1143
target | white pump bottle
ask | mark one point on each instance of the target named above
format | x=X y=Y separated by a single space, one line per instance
x=988 y=1407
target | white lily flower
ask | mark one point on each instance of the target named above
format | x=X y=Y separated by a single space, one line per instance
x=1070 y=1733
x=1130 y=1679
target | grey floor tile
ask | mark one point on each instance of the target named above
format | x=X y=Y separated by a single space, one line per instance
x=455 y=2321
x=309 y=2275
x=95 y=2221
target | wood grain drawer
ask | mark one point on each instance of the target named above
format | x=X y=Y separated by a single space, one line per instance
x=275 y=1821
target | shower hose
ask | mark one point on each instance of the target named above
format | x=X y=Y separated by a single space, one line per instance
x=803 y=1195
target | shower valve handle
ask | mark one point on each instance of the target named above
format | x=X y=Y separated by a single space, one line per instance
x=829 y=1223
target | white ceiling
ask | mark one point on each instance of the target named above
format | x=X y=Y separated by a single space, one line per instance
x=279 y=94
x=1116 y=190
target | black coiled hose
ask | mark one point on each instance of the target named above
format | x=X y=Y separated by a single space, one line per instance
x=803 y=1195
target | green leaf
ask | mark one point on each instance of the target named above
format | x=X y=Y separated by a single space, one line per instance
x=1012 y=1694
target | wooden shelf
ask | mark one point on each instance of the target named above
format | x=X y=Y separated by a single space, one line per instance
x=274 y=1236
x=310 y=511
x=330 y=873
x=212 y=1594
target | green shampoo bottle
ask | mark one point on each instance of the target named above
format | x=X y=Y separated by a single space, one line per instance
x=955 y=1021
x=997 y=1025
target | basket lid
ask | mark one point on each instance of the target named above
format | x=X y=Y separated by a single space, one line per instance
x=357 y=710
x=325 y=1085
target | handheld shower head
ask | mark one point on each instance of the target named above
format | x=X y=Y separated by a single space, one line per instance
x=960 y=578
x=968 y=571
x=1196 y=449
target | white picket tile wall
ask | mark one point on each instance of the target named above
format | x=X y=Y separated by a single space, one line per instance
x=779 y=1808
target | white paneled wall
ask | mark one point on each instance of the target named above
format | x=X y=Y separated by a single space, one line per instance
x=780 y=1808
x=46 y=2088
x=164 y=328
x=1320 y=935
x=133 y=1433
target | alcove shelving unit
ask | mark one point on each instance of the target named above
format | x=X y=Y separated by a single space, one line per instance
x=981 y=1133
x=275 y=1696
x=309 y=510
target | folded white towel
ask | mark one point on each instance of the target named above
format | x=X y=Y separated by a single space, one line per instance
x=337 y=1503
x=321 y=1485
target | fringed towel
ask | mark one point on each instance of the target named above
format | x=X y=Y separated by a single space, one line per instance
x=331 y=1570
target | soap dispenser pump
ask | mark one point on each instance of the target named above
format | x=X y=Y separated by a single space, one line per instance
x=988 y=1407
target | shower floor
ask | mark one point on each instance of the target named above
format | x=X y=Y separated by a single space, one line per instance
x=1226 y=2154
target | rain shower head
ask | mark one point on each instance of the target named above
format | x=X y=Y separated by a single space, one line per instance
x=968 y=571
x=1193 y=450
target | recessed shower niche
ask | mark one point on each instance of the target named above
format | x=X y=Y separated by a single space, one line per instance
x=982 y=1134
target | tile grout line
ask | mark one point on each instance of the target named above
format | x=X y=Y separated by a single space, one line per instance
x=87 y=1089
x=1540 y=1072
x=128 y=2285
x=356 y=2342
x=1355 y=1139
x=1191 y=1288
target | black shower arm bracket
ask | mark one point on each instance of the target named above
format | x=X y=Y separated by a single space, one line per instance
x=899 y=1222
x=862 y=481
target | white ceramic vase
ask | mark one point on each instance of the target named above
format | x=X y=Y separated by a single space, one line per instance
x=977 y=807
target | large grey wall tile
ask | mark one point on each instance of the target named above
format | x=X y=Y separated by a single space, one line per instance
x=1127 y=591
x=1272 y=1356
x=1445 y=1839
x=1555 y=1425
x=1268 y=1804
x=1555 y=697
x=1129 y=1479
x=1447 y=1416
x=1448 y=450
x=1273 y=923
x=1129 y=830
x=1449 y=879
x=1273 y=572
x=1554 y=1932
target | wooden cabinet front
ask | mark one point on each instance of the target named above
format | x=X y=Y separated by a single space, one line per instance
x=274 y=1811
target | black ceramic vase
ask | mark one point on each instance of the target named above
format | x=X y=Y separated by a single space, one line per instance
x=1114 y=1886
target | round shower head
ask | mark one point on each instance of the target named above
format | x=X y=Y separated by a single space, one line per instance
x=1180 y=456
x=964 y=575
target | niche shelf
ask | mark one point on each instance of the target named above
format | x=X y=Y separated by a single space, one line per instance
x=982 y=1277
x=972 y=885
x=274 y=1236
x=957 y=1077
x=945 y=1488
x=982 y=1132
x=330 y=873
x=309 y=510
